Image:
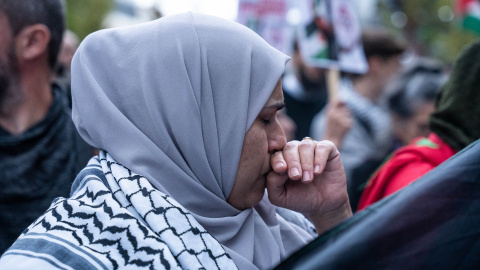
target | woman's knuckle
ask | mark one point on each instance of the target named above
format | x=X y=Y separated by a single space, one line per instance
x=325 y=144
x=289 y=146
x=306 y=143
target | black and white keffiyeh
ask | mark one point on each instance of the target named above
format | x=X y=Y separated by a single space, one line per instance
x=115 y=219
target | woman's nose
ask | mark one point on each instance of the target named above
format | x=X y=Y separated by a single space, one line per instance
x=277 y=139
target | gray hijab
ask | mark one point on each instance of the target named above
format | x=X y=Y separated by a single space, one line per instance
x=172 y=100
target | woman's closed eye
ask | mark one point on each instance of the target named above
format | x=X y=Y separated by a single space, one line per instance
x=265 y=121
x=269 y=113
x=268 y=119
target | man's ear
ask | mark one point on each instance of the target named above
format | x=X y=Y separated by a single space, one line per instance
x=32 y=42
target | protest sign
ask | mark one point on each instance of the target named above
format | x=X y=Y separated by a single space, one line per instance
x=268 y=19
x=331 y=38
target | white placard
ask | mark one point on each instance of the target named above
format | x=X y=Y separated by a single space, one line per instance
x=332 y=37
x=268 y=19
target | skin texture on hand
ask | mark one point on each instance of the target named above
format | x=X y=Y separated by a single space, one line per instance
x=308 y=177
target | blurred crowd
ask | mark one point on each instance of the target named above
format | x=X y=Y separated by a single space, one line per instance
x=391 y=125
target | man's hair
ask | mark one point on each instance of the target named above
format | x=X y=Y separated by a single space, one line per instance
x=380 y=42
x=23 y=13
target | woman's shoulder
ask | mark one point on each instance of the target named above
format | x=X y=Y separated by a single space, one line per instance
x=101 y=226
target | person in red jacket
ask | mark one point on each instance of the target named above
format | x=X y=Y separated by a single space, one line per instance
x=454 y=125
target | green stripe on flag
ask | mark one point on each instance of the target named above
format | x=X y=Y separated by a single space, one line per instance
x=472 y=23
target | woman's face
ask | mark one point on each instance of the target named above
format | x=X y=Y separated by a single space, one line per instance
x=264 y=137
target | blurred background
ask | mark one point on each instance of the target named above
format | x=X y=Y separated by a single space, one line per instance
x=434 y=28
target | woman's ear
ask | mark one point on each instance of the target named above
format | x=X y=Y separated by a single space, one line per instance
x=32 y=42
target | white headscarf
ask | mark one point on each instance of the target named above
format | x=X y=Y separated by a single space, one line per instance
x=172 y=100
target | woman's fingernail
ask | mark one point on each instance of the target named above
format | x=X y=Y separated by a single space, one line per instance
x=317 y=169
x=294 y=172
x=306 y=176
x=279 y=165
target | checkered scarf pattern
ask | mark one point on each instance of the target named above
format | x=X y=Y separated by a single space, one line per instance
x=115 y=219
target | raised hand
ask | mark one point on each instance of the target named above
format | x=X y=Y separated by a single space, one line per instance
x=339 y=122
x=308 y=177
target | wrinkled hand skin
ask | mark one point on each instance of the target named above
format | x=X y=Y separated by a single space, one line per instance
x=308 y=177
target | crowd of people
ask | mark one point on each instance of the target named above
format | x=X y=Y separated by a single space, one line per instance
x=204 y=150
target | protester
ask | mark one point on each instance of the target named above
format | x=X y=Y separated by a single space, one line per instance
x=305 y=92
x=40 y=149
x=411 y=100
x=368 y=140
x=339 y=121
x=63 y=68
x=454 y=125
x=69 y=46
x=186 y=121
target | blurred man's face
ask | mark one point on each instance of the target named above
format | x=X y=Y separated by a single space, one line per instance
x=390 y=68
x=8 y=61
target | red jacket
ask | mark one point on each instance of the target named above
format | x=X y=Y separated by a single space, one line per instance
x=405 y=165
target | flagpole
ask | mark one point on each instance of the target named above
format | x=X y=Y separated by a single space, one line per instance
x=333 y=77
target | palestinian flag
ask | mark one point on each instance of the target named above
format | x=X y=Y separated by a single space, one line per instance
x=469 y=11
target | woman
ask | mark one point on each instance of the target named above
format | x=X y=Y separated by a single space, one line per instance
x=184 y=110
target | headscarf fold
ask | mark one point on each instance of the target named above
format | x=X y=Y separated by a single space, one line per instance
x=172 y=100
x=456 y=119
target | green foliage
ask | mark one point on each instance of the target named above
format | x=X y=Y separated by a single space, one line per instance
x=426 y=32
x=86 y=16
